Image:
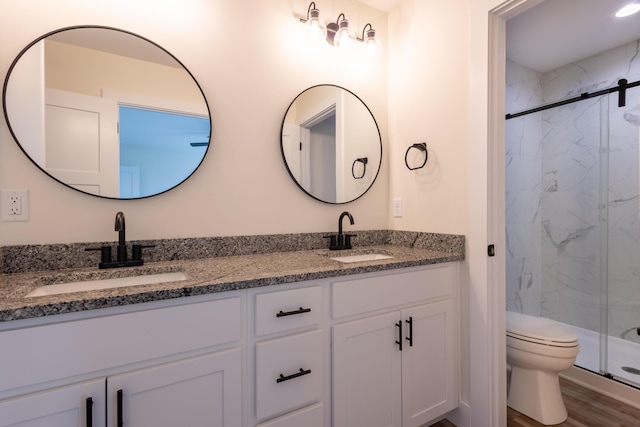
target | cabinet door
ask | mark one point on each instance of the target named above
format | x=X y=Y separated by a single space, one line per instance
x=81 y=405
x=202 y=391
x=429 y=381
x=367 y=373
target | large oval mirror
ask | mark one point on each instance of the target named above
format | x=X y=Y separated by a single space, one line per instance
x=106 y=112
x=331 y=144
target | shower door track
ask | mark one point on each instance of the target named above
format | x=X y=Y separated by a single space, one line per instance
x=621 y=89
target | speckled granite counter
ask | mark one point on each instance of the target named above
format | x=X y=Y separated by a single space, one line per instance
x=219 y=274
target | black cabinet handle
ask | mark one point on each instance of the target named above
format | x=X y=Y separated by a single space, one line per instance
x=410 y=337
x=120 y=422
x=289 y=313
x=399 y=342
x=292 y=376
x=89 y=406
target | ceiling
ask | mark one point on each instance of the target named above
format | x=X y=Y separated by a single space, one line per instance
x=384 y=5
x=558 y=32
x=116 y=42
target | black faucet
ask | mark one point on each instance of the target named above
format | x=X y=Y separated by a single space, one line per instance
x=121 y=249
x=122 y=241
x=341 y=241
x=342 y=215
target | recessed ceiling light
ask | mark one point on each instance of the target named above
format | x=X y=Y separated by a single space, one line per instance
x=629 y=9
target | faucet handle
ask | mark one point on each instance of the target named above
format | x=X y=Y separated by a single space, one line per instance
x=105 y=253
x=333 y=244
x=136 y=251
x=347 y=240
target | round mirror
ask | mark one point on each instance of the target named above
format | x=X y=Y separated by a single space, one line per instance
x=106 y=112
x=331 y=144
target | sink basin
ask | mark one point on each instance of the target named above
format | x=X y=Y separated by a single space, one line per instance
x=94 y=285
x=361 y=258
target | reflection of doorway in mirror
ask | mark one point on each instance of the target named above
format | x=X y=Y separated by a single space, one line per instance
x=318 y=155
x=129 y=182
x=164 y=147
x=322 y=151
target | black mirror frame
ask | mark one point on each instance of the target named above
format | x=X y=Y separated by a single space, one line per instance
x=284 y=159
x=75 y=27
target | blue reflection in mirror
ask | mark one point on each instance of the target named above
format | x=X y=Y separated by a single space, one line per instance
x=158 y=149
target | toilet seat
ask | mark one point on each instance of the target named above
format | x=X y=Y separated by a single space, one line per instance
x=539 y=330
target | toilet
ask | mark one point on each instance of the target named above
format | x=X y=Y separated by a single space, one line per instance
x=538 y=349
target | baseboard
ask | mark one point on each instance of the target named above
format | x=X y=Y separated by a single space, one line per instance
x=613 y=389
x=460 y=416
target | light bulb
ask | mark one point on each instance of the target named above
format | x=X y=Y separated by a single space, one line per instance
x=315 y=26
x=371 y=44
x=343 y=37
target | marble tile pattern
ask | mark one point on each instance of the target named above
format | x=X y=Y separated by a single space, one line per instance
x=233 y=263
x=572 y=193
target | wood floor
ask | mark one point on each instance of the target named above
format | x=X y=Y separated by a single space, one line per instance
x=586 y=408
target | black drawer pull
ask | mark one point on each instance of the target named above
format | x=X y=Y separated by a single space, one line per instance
x=292 y=376
x=119 y=415
x=89 y=408
x=289 y=313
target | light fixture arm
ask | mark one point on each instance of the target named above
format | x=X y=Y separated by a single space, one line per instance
x=312 y=6
x=364 y=29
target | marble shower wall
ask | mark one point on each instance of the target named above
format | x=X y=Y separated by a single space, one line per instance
x=556 y=161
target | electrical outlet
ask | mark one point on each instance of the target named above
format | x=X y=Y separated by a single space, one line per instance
x=15 y=205
x=397 y=207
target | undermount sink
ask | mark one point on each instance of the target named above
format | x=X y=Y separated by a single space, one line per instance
x=361 y=258
x=99 y=284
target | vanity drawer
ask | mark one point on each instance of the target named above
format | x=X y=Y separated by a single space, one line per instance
x=289 y=373
x=351 y=297
x=310 y=416
x=51 y=352
x=287 y=310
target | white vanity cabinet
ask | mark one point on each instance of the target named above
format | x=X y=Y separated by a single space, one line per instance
x=168 y=366
x=76 y=405
x=289 y=380
x=321 y=353
x=395 y=348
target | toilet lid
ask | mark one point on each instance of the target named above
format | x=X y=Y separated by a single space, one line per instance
x=538 y=328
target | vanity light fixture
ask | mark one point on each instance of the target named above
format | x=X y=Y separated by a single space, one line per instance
x=371 y=42
x=338 y=33
x=627 y=10
x=315 y=26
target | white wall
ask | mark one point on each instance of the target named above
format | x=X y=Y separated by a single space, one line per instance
x=428 y=98
x=251 y=59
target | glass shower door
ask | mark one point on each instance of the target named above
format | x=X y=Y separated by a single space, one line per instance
x=622 y=345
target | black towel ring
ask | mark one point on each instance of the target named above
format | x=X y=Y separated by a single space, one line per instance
x=362 y=160
x=421 y=147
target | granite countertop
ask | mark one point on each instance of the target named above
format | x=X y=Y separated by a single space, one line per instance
x=204 y=276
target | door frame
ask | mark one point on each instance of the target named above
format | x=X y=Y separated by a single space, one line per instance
x=487 y=394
